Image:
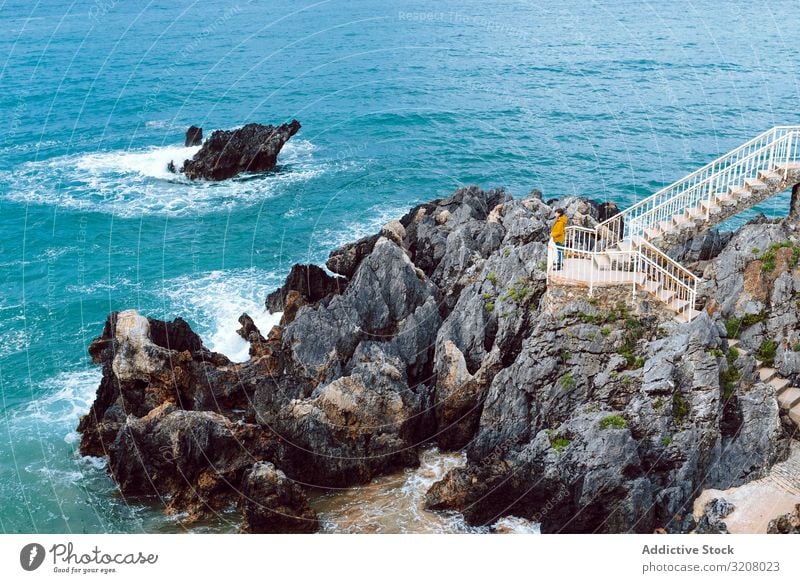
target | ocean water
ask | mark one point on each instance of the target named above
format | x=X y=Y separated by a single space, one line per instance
x=400 y=102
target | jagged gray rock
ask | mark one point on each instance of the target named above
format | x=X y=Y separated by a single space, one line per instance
x=711 y=521
x=788 y=523
x=582 y=414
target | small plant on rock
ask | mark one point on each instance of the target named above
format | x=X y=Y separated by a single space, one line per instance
x=729 y=378
x=768 y=259
x=559 y=443
x=613 y=421
x=766 y=352
x=680 y=408
x=734 y=325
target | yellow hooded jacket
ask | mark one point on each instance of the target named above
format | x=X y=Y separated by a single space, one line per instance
x=559 y=229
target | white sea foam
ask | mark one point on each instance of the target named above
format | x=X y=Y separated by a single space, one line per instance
x=63 y=399
x=132 y=183
x=516 y=525
x=216 y=299
x=12 y=342
x=394 y=503
x=374 y=218
x=54 y=411
x=151 y=162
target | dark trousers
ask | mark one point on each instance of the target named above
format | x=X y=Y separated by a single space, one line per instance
x=560 y=256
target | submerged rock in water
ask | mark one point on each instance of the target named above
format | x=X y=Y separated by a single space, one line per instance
x=578 y=414
x=251 y=148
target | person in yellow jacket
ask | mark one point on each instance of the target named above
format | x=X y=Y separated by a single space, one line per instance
x=558 y=233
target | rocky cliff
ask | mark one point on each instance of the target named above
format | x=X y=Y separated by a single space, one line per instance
x=584 y=414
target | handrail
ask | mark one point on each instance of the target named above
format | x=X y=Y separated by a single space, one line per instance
x=699 y=171
x=668 y=259
x=772 y=150
x=666 y=274
x=708 y=178
x=671 y=274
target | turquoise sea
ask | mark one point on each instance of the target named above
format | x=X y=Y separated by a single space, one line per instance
x=400 y=101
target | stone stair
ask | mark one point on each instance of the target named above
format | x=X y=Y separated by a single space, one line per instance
x=623 y=247
x=716 y=209
x=788 y=396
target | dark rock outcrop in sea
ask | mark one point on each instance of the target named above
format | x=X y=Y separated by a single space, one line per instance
x=194 y=136
x=582 y=414
x=251 y=148
x=272 y=503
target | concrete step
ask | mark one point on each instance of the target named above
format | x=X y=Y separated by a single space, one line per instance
x=740 y=192
x=651 y=286
x=665 y=295
x=677 y=304
x=756 y=185
x=686 y=315
x=602 y=261
x=780 y=384
x=794 y=415
x=789 y=398
x=766 y=374
x=625 y=246
x=695 y=213
x=712 y=207
x=770 y=176
x=679 y=220
x=727 y=200
x=652 y=232
x=666 y=226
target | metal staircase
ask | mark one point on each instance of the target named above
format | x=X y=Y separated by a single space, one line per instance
x=624 y=250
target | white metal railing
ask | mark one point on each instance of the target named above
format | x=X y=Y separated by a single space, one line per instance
x=616 y=251
x=677 y=286
x=643 y=266
x=772 y=150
